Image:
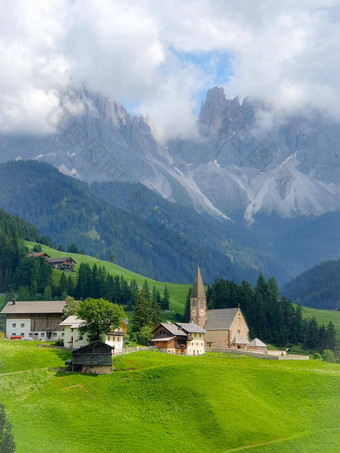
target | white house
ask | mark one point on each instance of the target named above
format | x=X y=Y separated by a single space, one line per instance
x=71 y=325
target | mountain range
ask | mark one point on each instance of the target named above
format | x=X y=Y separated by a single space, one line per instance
x=272 y=192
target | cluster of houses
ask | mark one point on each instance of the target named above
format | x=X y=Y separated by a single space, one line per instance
x=214 y=330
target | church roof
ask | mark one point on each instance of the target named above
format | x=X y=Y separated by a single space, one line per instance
x=220 y=319
x=257 y=343
x=198 y=288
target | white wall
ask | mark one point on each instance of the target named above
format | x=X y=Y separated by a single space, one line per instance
x=22 y=326
x=196 y=345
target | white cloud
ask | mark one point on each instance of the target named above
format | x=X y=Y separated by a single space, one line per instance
x=283 y=53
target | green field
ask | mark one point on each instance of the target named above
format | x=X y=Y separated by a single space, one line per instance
x=161 y=403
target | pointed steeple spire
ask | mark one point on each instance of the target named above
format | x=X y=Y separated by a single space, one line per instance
x=197 y=290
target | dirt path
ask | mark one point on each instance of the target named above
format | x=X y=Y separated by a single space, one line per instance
x=276 y=441
x=25 y=371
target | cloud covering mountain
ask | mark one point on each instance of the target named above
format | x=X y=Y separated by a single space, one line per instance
x=158 y=58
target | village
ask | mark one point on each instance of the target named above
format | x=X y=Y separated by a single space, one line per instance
x=219 y=331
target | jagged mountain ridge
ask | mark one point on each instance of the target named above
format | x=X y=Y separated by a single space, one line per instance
x=292 y=169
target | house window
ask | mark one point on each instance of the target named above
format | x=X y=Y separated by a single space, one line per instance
x=30 y=334
x=22 y=324
x=22 y=334
x=42 y=334
x=55 y=334
x=13 y=334
x=14 y=324
x=62 y=334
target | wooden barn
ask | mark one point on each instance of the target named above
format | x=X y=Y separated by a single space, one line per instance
x=95 y=358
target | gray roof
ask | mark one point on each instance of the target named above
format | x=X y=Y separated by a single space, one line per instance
x=190 y=327
x=257 y=343
x=173 y=329
x=33 y=306
x=73 y=322
x=240 y=339
x=220 y=319
x=162 y=339
x=198 y=288
x=60 y=260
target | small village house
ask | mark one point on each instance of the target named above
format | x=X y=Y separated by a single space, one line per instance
x=64 y=263
x=179 y=338
x=72 y=340
x=34 y=320
x=94 y=358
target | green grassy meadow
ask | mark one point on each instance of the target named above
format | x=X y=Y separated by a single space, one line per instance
x=161 y=403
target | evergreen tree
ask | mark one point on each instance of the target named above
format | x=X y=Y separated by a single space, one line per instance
x=312 y=339
x=146 y=290
x=47 y=293
x=166 y=299
x=156 y=313
x=141 y=313
x=330 y=338
x=63 y=286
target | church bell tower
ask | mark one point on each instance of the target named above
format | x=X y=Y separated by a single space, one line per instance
x=198 y=301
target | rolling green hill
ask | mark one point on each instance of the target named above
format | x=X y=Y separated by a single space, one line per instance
x=161 y=403
x=178 y=292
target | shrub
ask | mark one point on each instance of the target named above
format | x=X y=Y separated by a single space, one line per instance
x=316 y=356
x=328 y=356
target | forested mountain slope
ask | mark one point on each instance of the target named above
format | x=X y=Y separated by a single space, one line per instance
x=161 y=243
x=318 y=287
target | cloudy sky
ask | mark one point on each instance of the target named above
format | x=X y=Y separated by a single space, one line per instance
x=158 y=57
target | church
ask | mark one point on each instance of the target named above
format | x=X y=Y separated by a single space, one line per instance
x=225 y=328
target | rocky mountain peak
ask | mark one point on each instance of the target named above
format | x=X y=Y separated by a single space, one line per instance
x=217 y=112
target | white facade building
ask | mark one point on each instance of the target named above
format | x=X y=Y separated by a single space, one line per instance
x=72 y=339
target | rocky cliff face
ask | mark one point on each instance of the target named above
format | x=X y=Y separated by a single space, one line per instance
x=291 y=169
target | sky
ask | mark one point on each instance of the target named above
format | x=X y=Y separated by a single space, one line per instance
x=159 y=57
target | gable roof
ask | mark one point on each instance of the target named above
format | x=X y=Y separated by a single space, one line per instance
x=220 y=319
x=60 y=260
x=73 y=322
x=198 y=288
x=94 y=348
x=33 y=307
x=258 y=343
x=240 y=339
x=190 y=327
x=173 y=329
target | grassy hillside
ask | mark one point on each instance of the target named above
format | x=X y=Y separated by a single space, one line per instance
x=323 y=317
x=178 y=292
x=161 y=403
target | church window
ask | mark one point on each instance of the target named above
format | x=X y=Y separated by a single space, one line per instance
x=193 y=303
x=202 y=303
